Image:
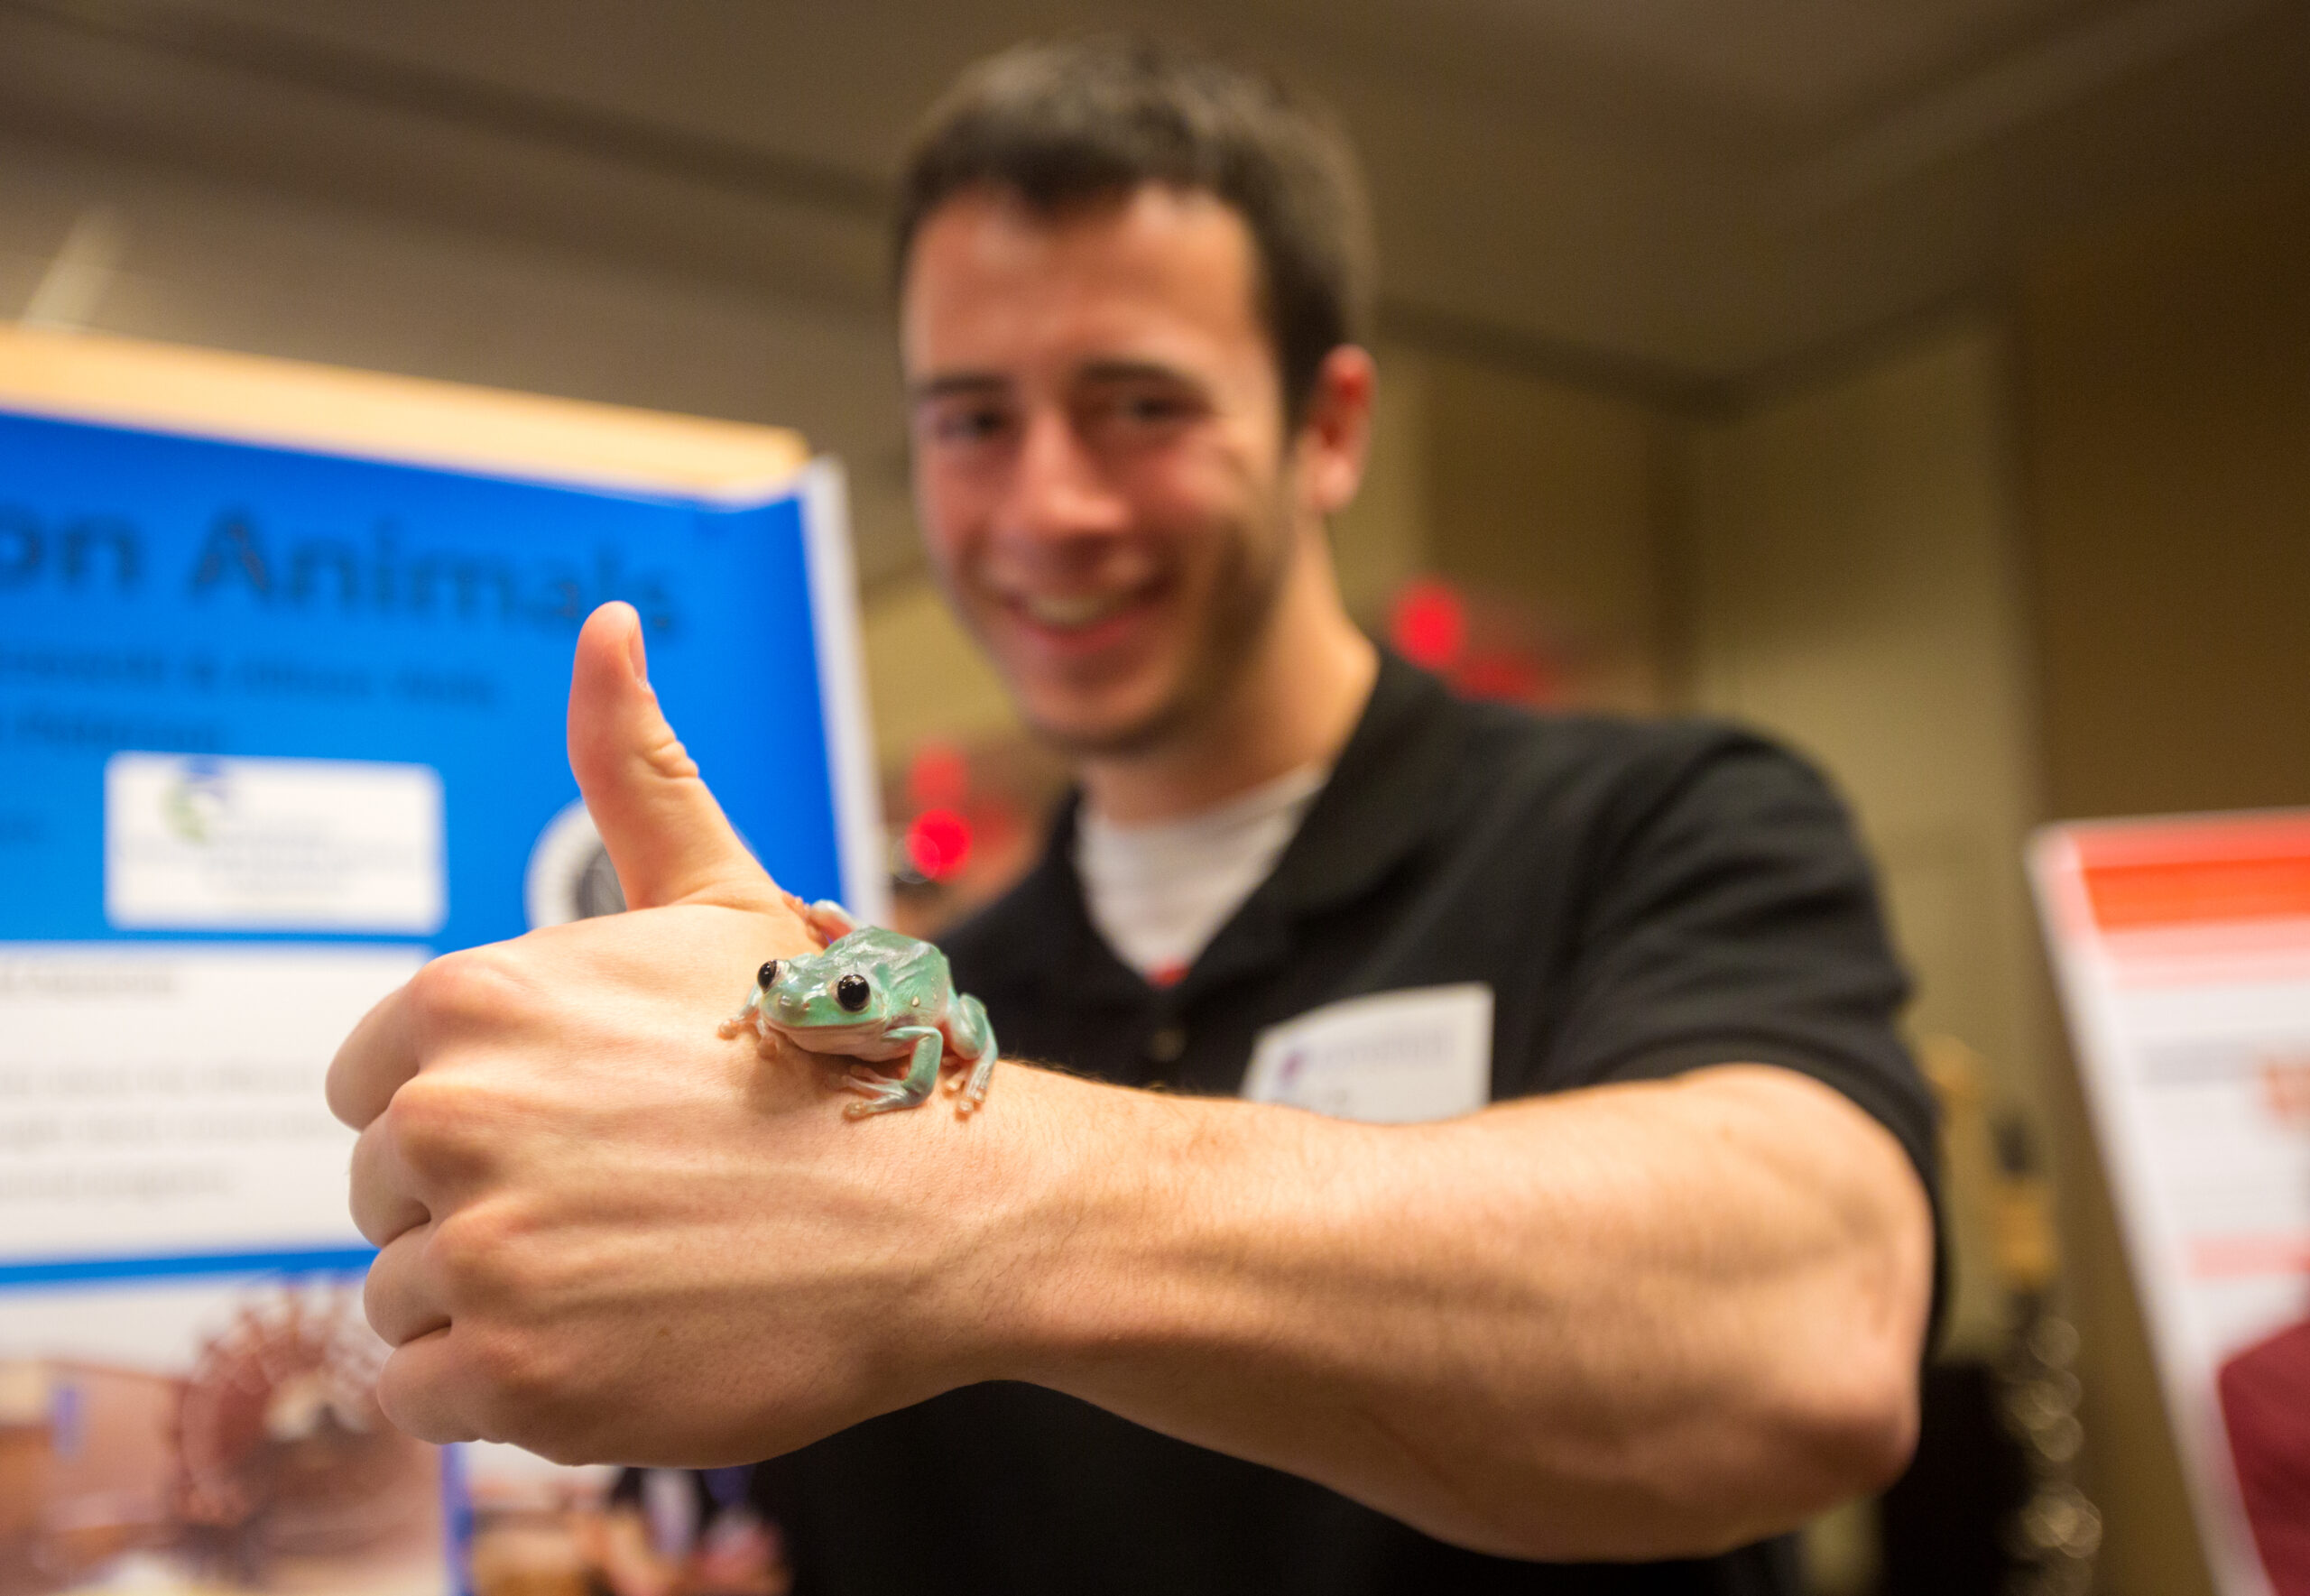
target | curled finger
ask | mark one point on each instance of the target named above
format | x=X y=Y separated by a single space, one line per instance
x=385 y=1198
x=428 y=1390
x=373 y=1061
x=402 y=1296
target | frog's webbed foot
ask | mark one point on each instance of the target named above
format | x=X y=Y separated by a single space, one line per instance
x=881 y=1093
x=925 y=1047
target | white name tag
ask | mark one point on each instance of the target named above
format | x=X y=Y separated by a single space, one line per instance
x=1392 y=1058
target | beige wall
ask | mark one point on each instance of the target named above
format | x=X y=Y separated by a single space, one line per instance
x=925 y=678
x=2168 y=383
x=1384 y=536
x=1555 y=497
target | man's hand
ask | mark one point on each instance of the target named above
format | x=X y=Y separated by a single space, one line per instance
x=607 y=1232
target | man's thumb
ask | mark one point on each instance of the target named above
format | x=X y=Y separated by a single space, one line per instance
x=665 y=833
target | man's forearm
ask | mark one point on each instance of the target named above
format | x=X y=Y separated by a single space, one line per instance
x=1636 y=1320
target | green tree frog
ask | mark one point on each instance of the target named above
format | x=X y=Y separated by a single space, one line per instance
x=877 y=995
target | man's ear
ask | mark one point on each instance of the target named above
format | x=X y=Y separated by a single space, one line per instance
x=1337 y=431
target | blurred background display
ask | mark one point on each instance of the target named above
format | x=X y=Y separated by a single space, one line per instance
x=1927 y=384
x=283 y=658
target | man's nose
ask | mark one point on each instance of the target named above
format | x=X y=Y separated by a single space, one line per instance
x=1057 y=490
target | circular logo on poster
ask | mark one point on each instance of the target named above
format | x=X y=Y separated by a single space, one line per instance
x=570 y=877
x=197 y=801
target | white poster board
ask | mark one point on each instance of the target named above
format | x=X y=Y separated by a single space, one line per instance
x=2183 y=950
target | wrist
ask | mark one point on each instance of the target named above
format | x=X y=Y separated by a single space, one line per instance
x=1055 y=1201
x=1127 y=1226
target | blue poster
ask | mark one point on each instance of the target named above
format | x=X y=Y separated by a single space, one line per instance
x=275 y=727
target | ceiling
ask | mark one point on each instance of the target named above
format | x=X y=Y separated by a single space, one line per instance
x=1675 y=197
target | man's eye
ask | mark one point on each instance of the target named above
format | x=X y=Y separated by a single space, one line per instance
x=1135 y=416
x=1150 y=408
x=968 y=423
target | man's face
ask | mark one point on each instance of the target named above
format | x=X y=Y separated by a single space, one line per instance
x=1099 y=452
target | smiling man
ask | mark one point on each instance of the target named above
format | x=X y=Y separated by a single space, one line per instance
x=1635 y=1281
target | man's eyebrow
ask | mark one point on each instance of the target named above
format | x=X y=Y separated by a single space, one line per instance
x=948 y=384
x=969 y=385
x=1134 y=371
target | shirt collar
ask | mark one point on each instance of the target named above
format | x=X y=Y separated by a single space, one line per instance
x=1382 y=798
x=1377 y=808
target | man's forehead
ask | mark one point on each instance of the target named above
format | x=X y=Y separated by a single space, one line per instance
x=991 y=279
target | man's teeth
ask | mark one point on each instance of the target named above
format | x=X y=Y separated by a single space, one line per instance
x=1076 y=610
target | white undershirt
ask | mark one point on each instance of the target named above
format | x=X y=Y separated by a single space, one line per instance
x=1159 y=893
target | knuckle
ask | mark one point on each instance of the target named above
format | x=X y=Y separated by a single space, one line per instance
x=523 y=1395
x=433 y=1125
x=474 y=1256
x=666 y=757
x=470 y=987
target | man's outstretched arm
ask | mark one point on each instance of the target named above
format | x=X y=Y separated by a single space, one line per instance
x=1634 y=1321
x=1628 y=1321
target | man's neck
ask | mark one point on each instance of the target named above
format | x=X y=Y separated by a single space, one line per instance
x=1293 y=705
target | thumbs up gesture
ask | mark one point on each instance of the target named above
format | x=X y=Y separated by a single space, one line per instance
x=606 y=1233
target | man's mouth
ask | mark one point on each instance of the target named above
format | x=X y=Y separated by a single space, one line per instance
x=1084 y=618
x=1074 y=612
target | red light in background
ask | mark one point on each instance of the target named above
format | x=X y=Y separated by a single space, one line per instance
x=1428 y=624
x=938 y=840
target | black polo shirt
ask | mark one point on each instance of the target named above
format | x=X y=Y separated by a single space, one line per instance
x=1642 y=899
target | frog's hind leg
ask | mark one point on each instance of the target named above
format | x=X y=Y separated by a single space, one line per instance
x=974 y=1044
x=828 y=921
x=883 y=1094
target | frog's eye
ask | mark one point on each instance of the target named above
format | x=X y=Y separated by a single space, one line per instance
x=767 y=976
x=852 y=992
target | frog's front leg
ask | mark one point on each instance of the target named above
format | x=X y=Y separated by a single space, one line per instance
x=884 y=1095
x=744 y=1019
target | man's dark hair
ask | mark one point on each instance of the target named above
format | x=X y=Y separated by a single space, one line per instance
x=1069 y=122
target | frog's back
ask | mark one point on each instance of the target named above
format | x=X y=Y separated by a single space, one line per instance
x=902 y=958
